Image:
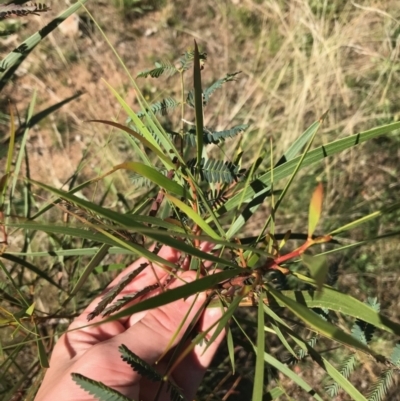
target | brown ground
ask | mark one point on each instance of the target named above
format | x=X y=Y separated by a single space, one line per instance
x=351 y=69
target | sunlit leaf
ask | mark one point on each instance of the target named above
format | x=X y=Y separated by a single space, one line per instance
x=139 y=137
x=194 y=216
x=153 y=175
x=318 y=267
x=258 y=385
x=284 y=369
x=324 y=328
x=181 y=292
x=254 y=192
x=315 y=209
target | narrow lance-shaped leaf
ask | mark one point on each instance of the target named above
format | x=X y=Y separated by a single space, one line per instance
x=183 y=291
x=258 y=386
x=284 y=369
x=318 y=266
x=315 y=209
x=194 y=216
x=334 y=300
x=42 y=354
x=320 y=326
x=252 y=192
x=153 y=175
x=139 y=137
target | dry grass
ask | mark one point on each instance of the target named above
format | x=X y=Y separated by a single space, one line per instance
x=298 y=59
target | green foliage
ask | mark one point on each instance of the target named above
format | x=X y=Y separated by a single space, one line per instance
x=162 y=67
x=139 y=365
x=385 y=380
x=162 y=107
x=105 y=393
x=395 y=357
x=195 y=197
x=211 y=89
x=364 y=332
x=381 y=387
x=98 y=389
x=345 y=369
x=215 y=137
x=14 y=10
x=145 y=370
x=214 y=171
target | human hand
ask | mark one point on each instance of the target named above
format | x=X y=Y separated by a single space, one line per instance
x=93 y=351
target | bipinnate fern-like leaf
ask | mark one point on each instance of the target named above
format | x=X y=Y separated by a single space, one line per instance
x=395 y=357
x=217 y=84
x=211 y=89
x=15 y=10
x=216 y=198
x=175 y=393
x=302 y=353
x=138 y=364
x=214 y=171
x=162 y=67
x=345 y=369
x=162 y=107
x=98 y=389
x=190 y=98
x=381 y=387
x=215 y=137
x=145 y=370
x=363 y=331
x=120 y=303
x=140 y=181
x=188 y=57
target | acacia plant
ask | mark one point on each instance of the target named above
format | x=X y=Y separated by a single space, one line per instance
x=199 y=198
x=193 y=198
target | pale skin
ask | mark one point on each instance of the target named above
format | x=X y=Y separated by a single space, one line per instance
x=93 y=350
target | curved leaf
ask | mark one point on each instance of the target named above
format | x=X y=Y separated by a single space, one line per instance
x=153 y=175
x=315 y=209
x=194 y=216
x=319 y=268
x=181 y=292
x=262 y=185
x=321 y=326
x=291 y=375
x=139 y=137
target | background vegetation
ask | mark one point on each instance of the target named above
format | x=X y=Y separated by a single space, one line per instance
x=298 y=59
